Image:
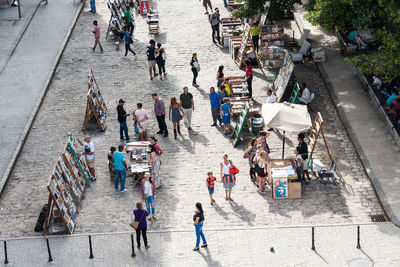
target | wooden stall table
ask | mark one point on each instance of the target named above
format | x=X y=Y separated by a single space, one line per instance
x=234 y=5
x=282 y=178
x=138 y=155
x=154 y=24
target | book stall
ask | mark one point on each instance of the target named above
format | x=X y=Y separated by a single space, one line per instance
x=233 y=4
x=95 y=106
x=139 y=155
x=231 y=28
x=245 y=49
x=271 y=46
x=66 y=187
x=115 y=30
x=282 y=179
x=284 y=76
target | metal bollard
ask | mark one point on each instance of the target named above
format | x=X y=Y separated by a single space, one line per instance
x=5 y=253
x=48 y=249
x=90 y=248
x=312 y=239
x=133 y=247
x=358 y=237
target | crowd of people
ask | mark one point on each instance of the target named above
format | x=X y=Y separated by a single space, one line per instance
x=182 y=108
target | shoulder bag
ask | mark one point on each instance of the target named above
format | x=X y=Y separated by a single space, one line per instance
x=135 y=224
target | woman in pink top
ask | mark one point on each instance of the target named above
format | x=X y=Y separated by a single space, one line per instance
x=249 y=77
x=96 y=32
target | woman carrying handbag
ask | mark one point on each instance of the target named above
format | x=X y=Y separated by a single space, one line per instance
x=140 y=224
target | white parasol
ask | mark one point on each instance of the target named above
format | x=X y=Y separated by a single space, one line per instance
x=286 y=117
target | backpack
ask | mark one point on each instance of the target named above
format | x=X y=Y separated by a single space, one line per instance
x=40 y=219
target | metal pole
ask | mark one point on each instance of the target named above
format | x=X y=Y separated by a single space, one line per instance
x=48 y=249
x=19 y=9
x=312 y=239
x=358 y=237
x=283 y=148
x=5 y=253
x=90 y=248
x=133 y=247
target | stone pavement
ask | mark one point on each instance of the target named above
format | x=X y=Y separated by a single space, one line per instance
x=347 y=198
x=27 y=73
x=334 y=246
x=366 y=126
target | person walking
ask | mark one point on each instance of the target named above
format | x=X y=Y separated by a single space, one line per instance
x=120 y=168
x=128 y=19
x=249 y=78
x=214 y=21
x=205 y=4
x=220 y=76
x=151 y=58
x=89 y=155
x=195 y=69
x=226 y=114
x=155 y=166
x=186 y=105
x=140 y=216
x=210 y=181
x=176 y=115
x=148 y=191
x=160 y=60
x=215 y=100
x=123 y=128
x=198 y=219
x=141 y=117
x=96 y=32
x=159 y=110
x=227 y=179
x=128 y=42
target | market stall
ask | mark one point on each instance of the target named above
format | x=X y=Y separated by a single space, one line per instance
x=283 y=179
x=138 y=155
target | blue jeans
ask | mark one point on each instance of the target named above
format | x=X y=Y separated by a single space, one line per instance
x=150 y=203
x=120 y=174
x=123 y=128
x=93 y=5
x=195 y=73
x=225 y=3
x=199 y=233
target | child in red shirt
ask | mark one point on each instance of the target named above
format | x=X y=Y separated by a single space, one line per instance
x=210 y=185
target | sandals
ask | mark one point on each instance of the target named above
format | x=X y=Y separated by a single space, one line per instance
x=230 y=199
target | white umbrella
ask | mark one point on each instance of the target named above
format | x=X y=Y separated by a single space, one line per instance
x=286 y=117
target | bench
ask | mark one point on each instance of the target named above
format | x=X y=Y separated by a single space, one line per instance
x=344 y=43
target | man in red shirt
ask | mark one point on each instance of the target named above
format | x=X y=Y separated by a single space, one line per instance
x=249 y=78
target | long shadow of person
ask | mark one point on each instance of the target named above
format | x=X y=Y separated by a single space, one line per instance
x=208 y=258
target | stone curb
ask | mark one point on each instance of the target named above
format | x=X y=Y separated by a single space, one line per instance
x=20 y=144
x=360 y=152
x=24 y=27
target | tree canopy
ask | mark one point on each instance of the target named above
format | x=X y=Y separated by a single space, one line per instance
x=278 y=9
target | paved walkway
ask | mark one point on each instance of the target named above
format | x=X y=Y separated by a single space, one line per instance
x=363 y=121
x=335 y=246
x=27 y=73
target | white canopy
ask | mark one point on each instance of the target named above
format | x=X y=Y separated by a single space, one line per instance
x=286 y=117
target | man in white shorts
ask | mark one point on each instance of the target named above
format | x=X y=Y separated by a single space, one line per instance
x=141 y=117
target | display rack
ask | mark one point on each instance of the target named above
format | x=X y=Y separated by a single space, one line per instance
x=246 y=45
x=271 y=46
x=95 y=106
x=285 y=74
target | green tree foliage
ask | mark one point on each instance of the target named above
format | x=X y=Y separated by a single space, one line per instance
x=278 y=9
x=380 y=16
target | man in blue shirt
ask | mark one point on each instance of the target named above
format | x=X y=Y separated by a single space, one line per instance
x=215 y=100
x=120 y=167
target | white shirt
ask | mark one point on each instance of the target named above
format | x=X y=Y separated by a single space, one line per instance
x=90 y=145
x=225 y=168
x=377 y=82
x=140 y=114
x=305 y=95
x=271 y=99
x=147 y=188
